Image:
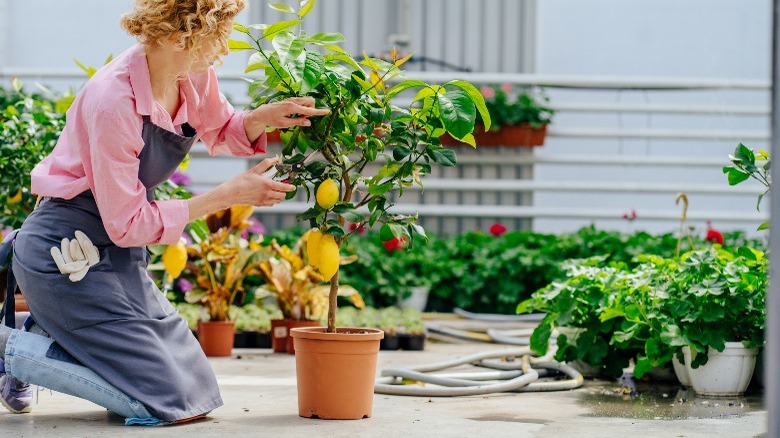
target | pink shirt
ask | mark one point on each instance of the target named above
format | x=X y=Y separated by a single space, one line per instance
x=98 y=149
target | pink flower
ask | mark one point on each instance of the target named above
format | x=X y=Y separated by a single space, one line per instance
x=180 y=179
x=256 y=227
x=488 y=92
x=497 y=229
x=507 y=88
x=185 y=285
x=630 y=216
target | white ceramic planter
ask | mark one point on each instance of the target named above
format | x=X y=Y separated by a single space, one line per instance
x=418 y=300
x=681 y=371
x=726 y=373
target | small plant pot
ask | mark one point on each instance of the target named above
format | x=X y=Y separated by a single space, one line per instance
x=390 y=342
x=293 y=323
x=240 y=340
x=412 y=342
x=263 y=340
x=726 y=374
x=681 y=371
x=336 y=371
x=216 y=337
x=418 y=300
x=279 y=335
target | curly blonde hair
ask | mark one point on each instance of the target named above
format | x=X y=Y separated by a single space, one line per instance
x=200 y=26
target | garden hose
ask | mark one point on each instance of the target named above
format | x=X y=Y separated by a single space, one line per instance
x=509 y=337
x=521 y=378
x=530 y=317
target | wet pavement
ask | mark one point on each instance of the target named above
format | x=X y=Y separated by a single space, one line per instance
x=259 y=391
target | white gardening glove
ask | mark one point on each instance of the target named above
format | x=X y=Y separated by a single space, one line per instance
x=75 y=256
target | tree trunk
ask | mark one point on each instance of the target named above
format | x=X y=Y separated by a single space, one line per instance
x=332 y=299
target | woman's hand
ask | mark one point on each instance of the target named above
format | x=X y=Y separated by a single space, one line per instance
x=250 y=187
x=287 y=113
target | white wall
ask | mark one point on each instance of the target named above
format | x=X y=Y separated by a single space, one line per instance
x=659 y=38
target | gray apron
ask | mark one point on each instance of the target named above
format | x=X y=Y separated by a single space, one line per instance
x=116 y=321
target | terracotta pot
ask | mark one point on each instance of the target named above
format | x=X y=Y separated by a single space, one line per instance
x=279 y=335
x=21 y=303
x=336 y=371
x=291 y=324
x=216 y=337
x=510 y=135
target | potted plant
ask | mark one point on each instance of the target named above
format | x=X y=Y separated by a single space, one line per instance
x=216 y=264
x=412 y=335
x=253 y=326
x=336 y=368
x=295 y=286
x=390 y=320
x=519 y=118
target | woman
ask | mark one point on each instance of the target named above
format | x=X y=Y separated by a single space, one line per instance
x=114 y=338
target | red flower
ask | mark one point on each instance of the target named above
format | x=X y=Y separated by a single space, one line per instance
x=395 y=244
x=487 y=92
x=713 y=235
x=353 y=226
x=497 y=229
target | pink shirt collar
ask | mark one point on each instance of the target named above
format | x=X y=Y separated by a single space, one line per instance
x=141 y=84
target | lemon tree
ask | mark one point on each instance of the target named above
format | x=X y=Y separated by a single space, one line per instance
x=365 y=126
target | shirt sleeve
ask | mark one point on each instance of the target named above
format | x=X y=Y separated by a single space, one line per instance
x=221 y=127
x=114 y=144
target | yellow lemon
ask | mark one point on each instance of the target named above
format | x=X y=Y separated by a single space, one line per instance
x=15 y=199
x=328 y=258
x=313 y=246
x=328 y=194
x=175 y=259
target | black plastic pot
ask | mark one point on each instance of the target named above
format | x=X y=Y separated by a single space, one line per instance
x=262 y=340
x=390 y=342
x=240 y=340
x=412 y=342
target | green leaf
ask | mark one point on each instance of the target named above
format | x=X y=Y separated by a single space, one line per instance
x=457 y=113
x=540 y=338
x=312 y=71
x=760 y=197
x=306 y=7
x=287 y=46
x=642 y=367
x=236 y=45
x=335 y=48
x=610 y=313
x=240 y=28
x=745 y=155
x=763 y=226
x=270 y=32
x=326 y=38
x=404 y=85
x=445 y=157
x=736 y=176
x=476 y=97
x=282 y=7
x=469 y=140
x=401 y=152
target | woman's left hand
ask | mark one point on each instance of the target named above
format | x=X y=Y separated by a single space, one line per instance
x=287 y=113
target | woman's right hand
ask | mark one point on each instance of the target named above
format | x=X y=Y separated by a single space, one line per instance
x=252 y=188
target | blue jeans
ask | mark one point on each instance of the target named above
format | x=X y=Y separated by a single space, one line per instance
x=39 y=360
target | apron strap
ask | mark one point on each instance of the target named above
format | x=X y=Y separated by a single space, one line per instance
x=6 y=256
x=9 y=305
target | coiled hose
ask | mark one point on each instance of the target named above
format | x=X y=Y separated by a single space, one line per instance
x=511 y=376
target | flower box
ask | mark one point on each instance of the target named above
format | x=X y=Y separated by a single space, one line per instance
x=510 y=135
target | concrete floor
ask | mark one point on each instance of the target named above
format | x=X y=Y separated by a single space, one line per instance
x=258 y=388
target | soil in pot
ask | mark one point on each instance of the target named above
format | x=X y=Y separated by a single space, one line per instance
x=390 y=342
x=412 y=342
x=336 y=372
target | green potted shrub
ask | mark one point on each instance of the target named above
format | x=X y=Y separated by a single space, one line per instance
x=390 y=321
x=412 y=335
x=333 y=155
